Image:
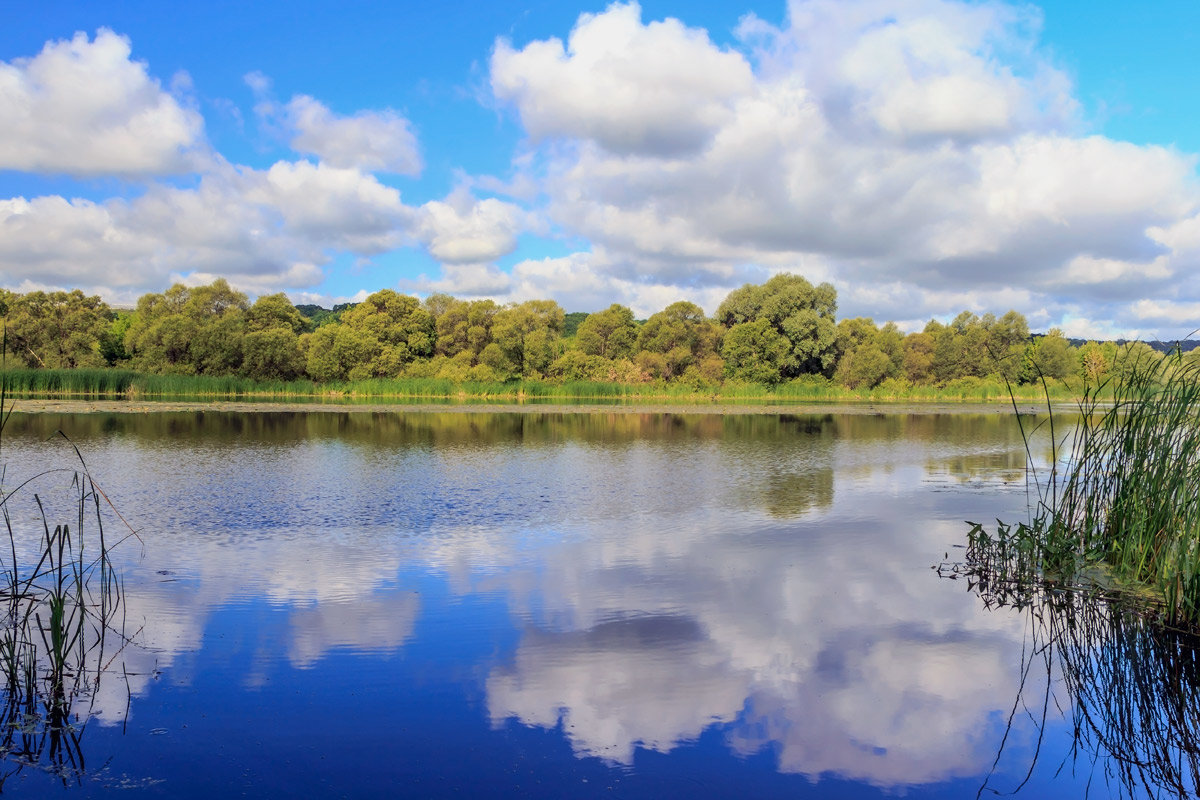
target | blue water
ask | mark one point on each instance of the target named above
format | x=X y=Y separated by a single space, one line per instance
x=548 y=605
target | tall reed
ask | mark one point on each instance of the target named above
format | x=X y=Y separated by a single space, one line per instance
x=1132 y=688
x=1126 y=498
x=61 y=622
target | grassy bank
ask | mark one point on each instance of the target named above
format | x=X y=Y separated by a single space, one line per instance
x=111 y=384
x=1122 y=510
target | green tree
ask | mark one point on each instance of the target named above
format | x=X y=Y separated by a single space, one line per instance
x=112 y=341
x=755 y=351
x=576 y=365
x=973 y=346
x=571 y=322
x=803 y=314
x=1051 y=356
x=867 y=355
x=462 y=326
x=1094 y=361
x=383 y=334
x=274 y=311
x=678 y=337
x=56 y=330
x=271 y=347
x=272 y=354
x=338 y=352
x=610 y=333
x=189 y=330
x=1133 y=356
x=918 y=356
x=527 y=337
x=866 y=366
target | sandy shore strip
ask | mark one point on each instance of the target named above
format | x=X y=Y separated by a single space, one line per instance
x=41 y=406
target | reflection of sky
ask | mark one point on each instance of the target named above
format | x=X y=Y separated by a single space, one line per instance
x=774 y=587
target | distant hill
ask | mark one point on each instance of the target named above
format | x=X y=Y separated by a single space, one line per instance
x=1185 y=346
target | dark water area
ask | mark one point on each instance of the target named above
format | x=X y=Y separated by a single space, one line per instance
x=353 y=604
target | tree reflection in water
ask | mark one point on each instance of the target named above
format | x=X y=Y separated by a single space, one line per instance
x=1132 y=685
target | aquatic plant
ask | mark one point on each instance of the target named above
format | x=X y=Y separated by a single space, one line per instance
x=1122 y=510
x=1108 y=569
x=61 y=623
x=1132 y=688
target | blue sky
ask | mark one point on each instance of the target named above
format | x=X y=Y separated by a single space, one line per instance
x=925 y=156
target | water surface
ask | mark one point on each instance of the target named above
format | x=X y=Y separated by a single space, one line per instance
x=422 y=604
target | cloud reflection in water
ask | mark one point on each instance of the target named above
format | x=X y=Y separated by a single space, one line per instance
x=768 y=575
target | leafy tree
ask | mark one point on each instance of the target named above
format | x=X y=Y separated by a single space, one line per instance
x=527 y=337
x=462 y=326
x=675 y=338
x=338 y=352
x=381 y=335
x=56 y=330
x=611 y=333
x=576 y=365
x=868 y=355
x=755 y=351
x=317 y=316
x=1133 y=356
x=189 y=330
x=271 y=347
x=973 y=346
x=1007 y=338
x=918 y=354
x=112 y=341
x=1051 y=356
x=1094 y=361
x=274 y=311
x=865 y=366
x=571 y=322
x=272 y=354
x=803 y=314
x=437 y=303
x=891 y=341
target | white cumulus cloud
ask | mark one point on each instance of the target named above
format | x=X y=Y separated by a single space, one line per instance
x=375 y=141
x=260 y=228
x=930 y=146
x=661 y=88
x=82 y=107
x=463 y=229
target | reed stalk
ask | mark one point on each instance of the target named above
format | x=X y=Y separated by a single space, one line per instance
x=60 y=620
x=1123 y=506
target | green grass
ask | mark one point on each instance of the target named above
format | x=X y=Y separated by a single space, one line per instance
x=1124 y=506
x=117 y=384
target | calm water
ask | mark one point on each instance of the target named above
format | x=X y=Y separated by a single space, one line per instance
x=551 y=605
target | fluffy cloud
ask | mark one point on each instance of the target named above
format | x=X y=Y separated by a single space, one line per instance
x=83 y=108
x=661 y=88
x=925 y=145
x=585 y=280
x=256 y=227
x=465 y=230
x=369 y=140
x=378 y=141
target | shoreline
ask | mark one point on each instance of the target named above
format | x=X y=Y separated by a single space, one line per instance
x=45 y=406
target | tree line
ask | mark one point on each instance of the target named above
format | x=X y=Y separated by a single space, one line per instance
x=782 y=330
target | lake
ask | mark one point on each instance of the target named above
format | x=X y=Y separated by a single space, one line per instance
x=549 y=604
